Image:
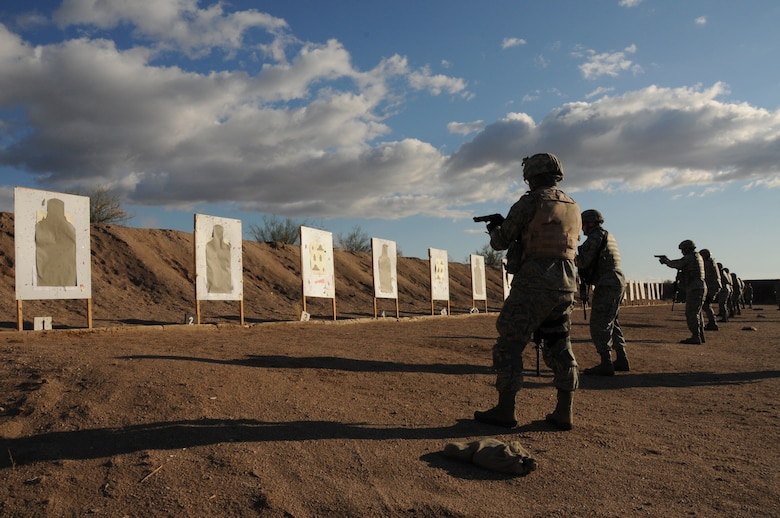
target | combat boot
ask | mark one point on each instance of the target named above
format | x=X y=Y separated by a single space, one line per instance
x=605 y=368
x=562 y=416
x=694 y=340
x=503 y=414
x=621 y=362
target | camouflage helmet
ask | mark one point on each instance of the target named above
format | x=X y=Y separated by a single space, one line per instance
x=592 y=216
x=542 y=163
x=687 y=245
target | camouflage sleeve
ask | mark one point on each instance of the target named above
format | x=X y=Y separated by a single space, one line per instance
x=678 y=263
x=588 y=252
x=518 y=219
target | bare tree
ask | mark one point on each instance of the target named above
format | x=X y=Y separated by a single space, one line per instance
x=492 y=257
x=356 y=241
x=276 y=229
x=105 y=206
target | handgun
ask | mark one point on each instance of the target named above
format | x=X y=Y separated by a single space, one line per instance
x=490 y=218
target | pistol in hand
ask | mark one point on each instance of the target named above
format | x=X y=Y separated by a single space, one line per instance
x=492 y=220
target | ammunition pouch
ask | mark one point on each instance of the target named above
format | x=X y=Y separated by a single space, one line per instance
x=513 y=255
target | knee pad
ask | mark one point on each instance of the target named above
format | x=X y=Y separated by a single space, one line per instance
x=507 y=355
x=567 y=379
x=556 y=326
x=508 y=364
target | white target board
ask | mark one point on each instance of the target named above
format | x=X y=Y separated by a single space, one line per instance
x=219 y=273
x=385 y=268
x=478 y=290
x=317 y=263
x=52 y=245
x=440 y=274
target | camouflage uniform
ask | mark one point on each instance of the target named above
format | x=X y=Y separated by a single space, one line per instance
x=747 y=298
x=598 y=261
x=712 y=280
x=692 y=268
x=736 y=295
x=541 y=232
x=541 y=297
x=724 y=296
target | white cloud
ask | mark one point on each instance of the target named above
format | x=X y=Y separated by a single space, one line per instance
x=172 y=23
x=541 y=61
x=531 y=96
x=646 y=139
x=512 y=42
x=297 y=136
x=422 y=79
x=302 y=136
x=701 y=20
x=598 y=92
x=464 y=128
x=629 y=3
x=606 y=63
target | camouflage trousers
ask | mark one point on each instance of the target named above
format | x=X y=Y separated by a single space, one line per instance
x=707 y=309
x=723 y=302
x=524 y=312
x=694 y=300
x=605 y=329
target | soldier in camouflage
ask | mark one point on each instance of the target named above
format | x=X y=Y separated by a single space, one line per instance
x=541 y=232
x=712 y=277
x=747 y=297
x=724 y=297
x=598 y=263
x=692 y=268
x=736 y=295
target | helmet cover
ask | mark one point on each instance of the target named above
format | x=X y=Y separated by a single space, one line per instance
x=542 y=163
x=592 y=216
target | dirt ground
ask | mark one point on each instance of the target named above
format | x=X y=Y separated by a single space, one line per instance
x=143 y=416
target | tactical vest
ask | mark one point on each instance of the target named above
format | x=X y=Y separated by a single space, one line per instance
x=609 y=259
x=554 y=230
x=606 y=262
x=693 y=273
x=712 y=275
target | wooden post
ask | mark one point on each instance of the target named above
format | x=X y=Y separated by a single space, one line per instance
x=241 y=311
x=19 y=319
x=303 y=284
x=89 y=313
x=334 y=308
x=195 y=267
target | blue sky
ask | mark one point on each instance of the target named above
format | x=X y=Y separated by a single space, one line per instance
x=406 y=118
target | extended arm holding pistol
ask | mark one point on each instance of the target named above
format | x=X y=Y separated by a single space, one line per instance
x=492 y=220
